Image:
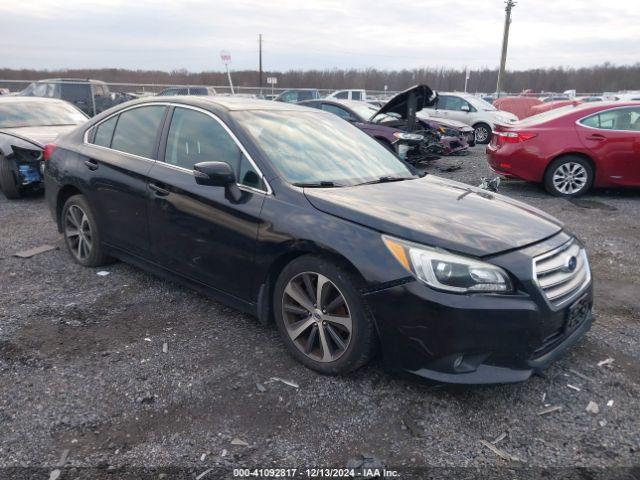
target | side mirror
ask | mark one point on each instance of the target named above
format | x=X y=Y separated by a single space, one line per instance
x=465 y=108
x=215 y=174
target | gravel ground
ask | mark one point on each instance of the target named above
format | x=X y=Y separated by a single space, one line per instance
x=83 y=374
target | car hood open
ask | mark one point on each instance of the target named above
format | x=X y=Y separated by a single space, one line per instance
x=441 y=213
x=406 y=104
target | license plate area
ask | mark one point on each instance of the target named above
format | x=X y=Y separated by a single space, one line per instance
x=576 y=314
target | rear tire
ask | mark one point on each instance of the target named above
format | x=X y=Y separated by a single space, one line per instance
x=81 y=233
x=8 y=183
x=568 y=176
x=482 y=133
x=333 y=332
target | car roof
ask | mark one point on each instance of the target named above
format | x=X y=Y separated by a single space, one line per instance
x=606 y=105
x=70 y=80
x=459 y=94
x=352 y=103
x=25 y=99
x=226 y=103
x=338 y=101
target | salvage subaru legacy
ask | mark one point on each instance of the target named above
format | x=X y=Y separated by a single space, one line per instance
x=298 y=217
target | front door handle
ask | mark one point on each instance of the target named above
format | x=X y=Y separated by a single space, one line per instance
x=596 y=137
x=159 y=191
x=91 y=164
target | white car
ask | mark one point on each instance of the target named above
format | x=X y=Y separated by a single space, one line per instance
x=471 y=110
x=349 y=95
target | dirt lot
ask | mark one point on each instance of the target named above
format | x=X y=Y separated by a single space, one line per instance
x=83 y=375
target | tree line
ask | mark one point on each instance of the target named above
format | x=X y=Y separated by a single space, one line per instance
x=599 y=78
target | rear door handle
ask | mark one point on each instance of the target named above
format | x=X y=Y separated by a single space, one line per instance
x=91 y=164
x=159 y=191
x=596 y=137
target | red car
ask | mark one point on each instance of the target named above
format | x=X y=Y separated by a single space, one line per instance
x=546 y=106
x=572 y=148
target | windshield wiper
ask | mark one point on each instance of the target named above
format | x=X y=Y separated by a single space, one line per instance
x=387 y=179
x=321 y=184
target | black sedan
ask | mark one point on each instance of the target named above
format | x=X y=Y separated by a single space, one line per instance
x=298 y=217
x=26 y=126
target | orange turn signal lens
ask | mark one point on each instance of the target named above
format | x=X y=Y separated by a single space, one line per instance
x=398 y=251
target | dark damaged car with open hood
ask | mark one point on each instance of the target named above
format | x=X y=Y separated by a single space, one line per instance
x=410 y=147
x=27 y=124
x=298 y=217
x=401 y=112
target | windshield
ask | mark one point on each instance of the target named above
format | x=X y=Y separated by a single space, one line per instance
x=38 y=114
x=481 y=104
x=319 y=148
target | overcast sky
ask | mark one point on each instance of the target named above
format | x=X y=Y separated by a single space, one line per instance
x=305 y=34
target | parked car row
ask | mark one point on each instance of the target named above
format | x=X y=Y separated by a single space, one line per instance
x=295 y=216
x=90 y=96
x=451 y=116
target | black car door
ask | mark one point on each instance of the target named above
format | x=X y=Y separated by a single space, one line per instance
x=121 y=152
x=199 y=231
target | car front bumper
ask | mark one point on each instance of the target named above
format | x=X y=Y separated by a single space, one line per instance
x=473 y=339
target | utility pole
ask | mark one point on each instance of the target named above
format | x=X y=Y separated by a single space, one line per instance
x=505 y=42
x=260 y=61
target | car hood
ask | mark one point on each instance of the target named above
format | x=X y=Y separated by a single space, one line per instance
x=440 y=213
x=38 y=135
x=398 y=104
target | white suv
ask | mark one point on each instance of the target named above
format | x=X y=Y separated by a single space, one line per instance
x=473 y=111
x=349 y=95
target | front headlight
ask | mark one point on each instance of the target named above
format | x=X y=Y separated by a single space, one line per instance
x=445 y=271
x=408 y=136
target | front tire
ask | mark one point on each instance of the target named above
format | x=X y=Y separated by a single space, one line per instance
x=81 y=232
x=321 y=316
x=8 y=183
x=568 y=176
x=482 y=133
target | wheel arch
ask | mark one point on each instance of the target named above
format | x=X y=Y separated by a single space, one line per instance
x=582 y=155
x=64 y=193
x=482 y=122
x=296 y=250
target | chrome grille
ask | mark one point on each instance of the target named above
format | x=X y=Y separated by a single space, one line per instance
x=562 y=273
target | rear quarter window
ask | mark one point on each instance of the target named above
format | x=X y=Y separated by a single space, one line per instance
x=137 y=130
x=104 y=132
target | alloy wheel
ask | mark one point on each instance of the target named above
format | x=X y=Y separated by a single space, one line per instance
x=570 y=178
x=77 y=229
x=482 y=134
x=317 y=317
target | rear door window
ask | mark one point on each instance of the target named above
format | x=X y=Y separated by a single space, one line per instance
x=75 y=92
x=137 y=130
x=451 y=103
x=627 y=119
x=356 y=96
